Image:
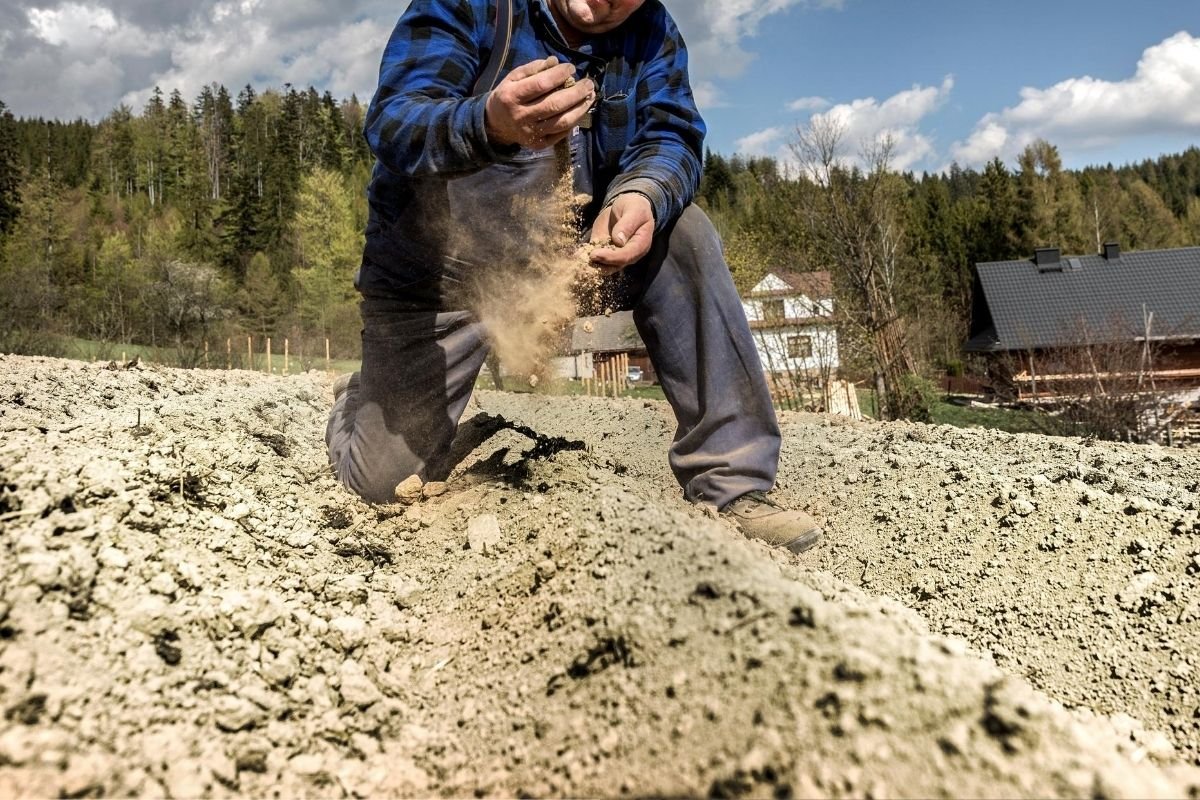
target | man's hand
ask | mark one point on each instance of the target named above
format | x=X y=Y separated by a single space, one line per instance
x=534 y=107
x=629 y=224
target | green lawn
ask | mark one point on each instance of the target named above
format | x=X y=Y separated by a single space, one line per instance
x=965 y=416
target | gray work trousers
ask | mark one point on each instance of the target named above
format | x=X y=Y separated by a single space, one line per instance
x=419 y=367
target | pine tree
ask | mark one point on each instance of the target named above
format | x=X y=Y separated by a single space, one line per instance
x=328 y=247
x=10 y=171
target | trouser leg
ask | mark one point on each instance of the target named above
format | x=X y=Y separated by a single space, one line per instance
x=692 y=321
x=400 y=417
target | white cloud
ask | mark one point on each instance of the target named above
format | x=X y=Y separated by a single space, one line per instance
x=762 y=143
x=808 y=104
x=898 y=118
x=73 y=23
x=68 y=58
x=1087 y=114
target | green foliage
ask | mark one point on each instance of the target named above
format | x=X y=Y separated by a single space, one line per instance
x=328 y=246
x=917 y=398
x=10 y=171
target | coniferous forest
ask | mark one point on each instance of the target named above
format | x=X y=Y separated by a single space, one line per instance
x=221 y=217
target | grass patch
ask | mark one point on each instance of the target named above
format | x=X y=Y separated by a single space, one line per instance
x=945 y=412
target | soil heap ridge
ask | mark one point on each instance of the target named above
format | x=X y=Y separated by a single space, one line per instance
x=190 y=606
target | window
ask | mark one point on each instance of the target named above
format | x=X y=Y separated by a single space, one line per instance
x=772 y=310
x=799 y=347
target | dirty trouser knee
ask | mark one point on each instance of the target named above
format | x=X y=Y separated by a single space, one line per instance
x=400 y=417
x=692 y=321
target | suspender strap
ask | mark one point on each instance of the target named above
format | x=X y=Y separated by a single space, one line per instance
x=504 y=25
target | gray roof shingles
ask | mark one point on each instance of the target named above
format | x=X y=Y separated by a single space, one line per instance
x=1033 y=309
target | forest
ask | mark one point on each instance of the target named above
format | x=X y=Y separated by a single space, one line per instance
x=185 y=223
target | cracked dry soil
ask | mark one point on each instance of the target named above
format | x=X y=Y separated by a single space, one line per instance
x=190 y=606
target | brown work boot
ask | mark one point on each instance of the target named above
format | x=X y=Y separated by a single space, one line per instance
x=760 y=518
x=342 y=382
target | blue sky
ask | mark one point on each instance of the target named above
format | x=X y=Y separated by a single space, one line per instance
x=976 y=57
x=965 y=80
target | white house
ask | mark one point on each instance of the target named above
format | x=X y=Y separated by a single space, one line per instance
x=791 y=317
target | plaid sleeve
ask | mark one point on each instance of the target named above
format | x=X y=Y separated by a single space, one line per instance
x=423 y=119
x=663 y=159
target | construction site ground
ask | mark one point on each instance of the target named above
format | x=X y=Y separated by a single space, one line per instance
x=191 y=606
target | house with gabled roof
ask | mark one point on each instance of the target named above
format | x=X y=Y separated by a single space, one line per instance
x=1054 y=325
x=600 y=339
x=791 y=317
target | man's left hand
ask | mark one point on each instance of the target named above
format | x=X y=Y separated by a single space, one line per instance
x=629 y=223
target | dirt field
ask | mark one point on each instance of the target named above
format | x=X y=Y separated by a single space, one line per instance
x=190 y=606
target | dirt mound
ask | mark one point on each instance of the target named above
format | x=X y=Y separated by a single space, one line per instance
x=189 y=605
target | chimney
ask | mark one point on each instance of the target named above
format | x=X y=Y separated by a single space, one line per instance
x=1112 y=251
x=1047 y=258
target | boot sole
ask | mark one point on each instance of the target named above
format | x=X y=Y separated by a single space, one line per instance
x=806 y=541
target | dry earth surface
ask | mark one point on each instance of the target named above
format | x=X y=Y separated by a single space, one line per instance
x=190 y=606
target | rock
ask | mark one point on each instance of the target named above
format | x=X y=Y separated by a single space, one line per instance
x=346 y=587
x=233 y=714
x=409 y=490
x=483 y=534
x=42 y=569
x=163 y=584
x=1136 y=589
x=187 y=779
x=1023 y=507
x=282 y=669
x=347 y=633
x=357 y=689
x=253 y=611
x=404 y=592
x=113 y=558
x=434 y=489
x=102 y=478
x=307 y=764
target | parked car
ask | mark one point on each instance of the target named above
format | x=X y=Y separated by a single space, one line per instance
x=633 y=374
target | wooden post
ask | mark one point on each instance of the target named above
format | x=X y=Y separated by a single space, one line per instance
x=229 y=353
x=286 y=356
x=327 y=354
x=206 y=353
x=124 y=360
x=249 y=352
x=269 y=368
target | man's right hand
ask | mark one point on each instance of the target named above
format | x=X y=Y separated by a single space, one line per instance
x=531 y=107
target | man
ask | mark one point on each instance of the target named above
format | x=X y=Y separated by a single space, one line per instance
x=449 y=152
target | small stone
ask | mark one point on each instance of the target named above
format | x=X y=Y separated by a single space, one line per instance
x=234 y=714
x=187 y=778
x=163 y=584
x=409 y=490
x=405 y=592
x=1023 y=507
x=307 y=764
x=347 y=632
x=112 y=557
x=282 y=669
x=434 y=489
x=238 y=512
x=483 y=534
x=357 y=689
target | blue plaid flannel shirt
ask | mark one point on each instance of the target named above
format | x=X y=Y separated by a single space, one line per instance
x=424 y=126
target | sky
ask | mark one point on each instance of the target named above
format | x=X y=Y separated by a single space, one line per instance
x=1107 y=81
